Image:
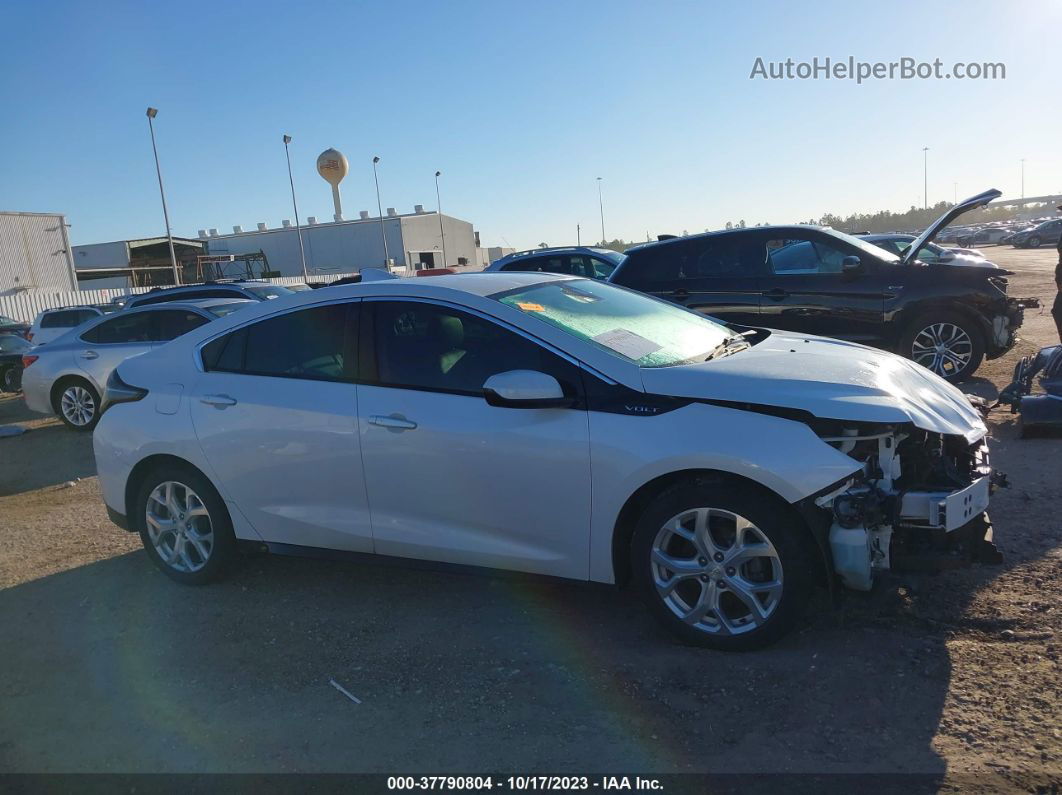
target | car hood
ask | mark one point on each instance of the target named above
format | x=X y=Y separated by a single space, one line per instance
x=980 y=200
x=828 y=378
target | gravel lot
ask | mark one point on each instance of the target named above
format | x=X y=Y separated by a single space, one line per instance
x=107 y=666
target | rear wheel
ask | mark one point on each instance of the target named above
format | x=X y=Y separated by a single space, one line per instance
x=184 y=525
x=1033 y=242
x=947 y=343
x=721 y=565
x=77 y=403
x=11 y=378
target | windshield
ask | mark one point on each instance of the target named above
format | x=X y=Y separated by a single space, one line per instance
x=8 y=321
x=267 y=290
x=9 y=343
x=220 y=310
x=637 y=328
x=864 y=246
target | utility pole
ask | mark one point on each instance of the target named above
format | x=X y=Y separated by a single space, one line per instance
x=379 y=207
x=151 y=114
x=925 y=178
x=601 y=207
x=438 y=203
x=578 y=235
x=298 y=228
x=1023 y=178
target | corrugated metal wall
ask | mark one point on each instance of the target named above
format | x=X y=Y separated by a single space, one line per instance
x=26 y=306
x=35 y=253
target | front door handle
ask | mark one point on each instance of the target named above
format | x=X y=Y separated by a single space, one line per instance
x=90 y=355
x=777 y=294
x=218 y=401
x=392 y=422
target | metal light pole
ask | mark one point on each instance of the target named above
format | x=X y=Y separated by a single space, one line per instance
x=578 y=235
x=298 y=228
x=379 y=207
x=601 y=207
x=955 y=193
x=438 y=201
x=925 y=178
x=151 y=114
x=1023 y=178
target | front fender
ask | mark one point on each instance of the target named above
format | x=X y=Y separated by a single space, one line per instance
x=782 y=455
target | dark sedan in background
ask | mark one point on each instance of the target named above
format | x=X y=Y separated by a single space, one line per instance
x=819 y=281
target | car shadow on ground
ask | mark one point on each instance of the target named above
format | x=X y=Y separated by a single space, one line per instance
x=113 y=667
x=48 y=455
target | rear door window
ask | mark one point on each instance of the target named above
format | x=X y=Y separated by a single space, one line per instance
x=134 y=327
x=172 y=323
x=314 y=344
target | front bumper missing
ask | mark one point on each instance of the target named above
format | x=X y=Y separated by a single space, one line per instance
x=945 y=510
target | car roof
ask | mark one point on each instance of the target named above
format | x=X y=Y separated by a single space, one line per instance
x=205 y=303
x=722 y=232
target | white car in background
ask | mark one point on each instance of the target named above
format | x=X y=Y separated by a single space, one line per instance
x=550 y=425
x=66 y=377
x=52 y=323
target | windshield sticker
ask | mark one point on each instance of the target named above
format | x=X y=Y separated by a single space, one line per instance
x=627 y=343
x=529 y=307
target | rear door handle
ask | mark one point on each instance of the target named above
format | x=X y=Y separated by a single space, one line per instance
x=90 y=355
x=777 y=294
x=218 y=401
x=395 y=423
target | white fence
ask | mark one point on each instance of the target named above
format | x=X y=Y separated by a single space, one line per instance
x=26 y=306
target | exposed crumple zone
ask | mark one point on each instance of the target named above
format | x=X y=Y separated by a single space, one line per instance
x=918 y=503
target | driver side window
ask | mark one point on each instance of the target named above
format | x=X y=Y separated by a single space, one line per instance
x=437 y=348
x=792 y=257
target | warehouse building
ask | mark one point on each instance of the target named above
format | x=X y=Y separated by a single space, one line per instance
x=414 y=241
x=144 y=262
x=35 y=253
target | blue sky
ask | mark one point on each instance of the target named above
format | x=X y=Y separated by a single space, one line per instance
x=520 y=105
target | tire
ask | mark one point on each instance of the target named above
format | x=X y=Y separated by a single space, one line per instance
x=77 y=403
x=930 y=339
x=1033 y=242
x=964 y=242
x=692 y=523
x=199 y=546
x=11 y=379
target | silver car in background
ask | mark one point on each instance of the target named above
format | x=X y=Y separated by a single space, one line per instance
x=67 y=376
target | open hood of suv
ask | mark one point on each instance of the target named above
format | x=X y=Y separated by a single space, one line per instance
x=828 y=378
x=980 y=200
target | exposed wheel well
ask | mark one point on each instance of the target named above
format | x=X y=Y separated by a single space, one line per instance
x=926 y=314
x=623 y=531
x=141 y=470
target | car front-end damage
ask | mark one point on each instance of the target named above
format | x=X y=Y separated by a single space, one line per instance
x=918 y=504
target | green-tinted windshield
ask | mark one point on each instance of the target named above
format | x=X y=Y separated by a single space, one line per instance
x=635 y=327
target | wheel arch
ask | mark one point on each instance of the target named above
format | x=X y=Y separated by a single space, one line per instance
x=920 y=312
x=627 y=519
x=59 y=384
x=143 y=468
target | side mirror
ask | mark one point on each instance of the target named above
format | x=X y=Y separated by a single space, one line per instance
x=524 y=389
x=851 y=265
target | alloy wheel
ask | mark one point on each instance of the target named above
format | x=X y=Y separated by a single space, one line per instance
x=179 y=526
x=716 y=571
x=944 y=348
x=78 y=405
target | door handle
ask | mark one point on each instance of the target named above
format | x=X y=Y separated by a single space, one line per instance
x=392 y=422
x=218 y=401
x=777 y=294
x=90 y=355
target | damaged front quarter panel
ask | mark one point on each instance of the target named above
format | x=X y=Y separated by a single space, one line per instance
x=918 y=504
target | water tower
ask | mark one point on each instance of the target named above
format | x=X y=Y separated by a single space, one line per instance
x=332 y=166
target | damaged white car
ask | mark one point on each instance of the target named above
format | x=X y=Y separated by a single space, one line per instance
x=549 y=425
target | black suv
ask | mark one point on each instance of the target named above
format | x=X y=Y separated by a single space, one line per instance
x=819 y=281
x=589 y=262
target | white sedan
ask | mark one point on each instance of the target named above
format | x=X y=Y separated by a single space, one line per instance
x=550 y=425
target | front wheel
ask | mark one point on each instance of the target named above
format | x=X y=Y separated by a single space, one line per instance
x=1033 y=242
x=722 y=565
x=184 y=525
x=947 y=343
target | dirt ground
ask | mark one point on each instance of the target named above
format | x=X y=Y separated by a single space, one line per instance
x=107 y=666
